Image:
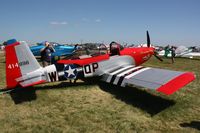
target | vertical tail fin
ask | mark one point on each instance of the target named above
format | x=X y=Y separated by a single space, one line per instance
x=19 y=61
x=12 y=66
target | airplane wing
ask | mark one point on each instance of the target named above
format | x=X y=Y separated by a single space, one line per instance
x=161 y=80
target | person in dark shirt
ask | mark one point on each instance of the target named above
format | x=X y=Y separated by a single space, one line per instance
x=173 y=53
x=46 y=54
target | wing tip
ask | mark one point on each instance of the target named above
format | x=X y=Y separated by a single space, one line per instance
x=177 y=83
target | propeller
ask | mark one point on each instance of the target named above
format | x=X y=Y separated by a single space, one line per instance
x=148 y=40
x=156 y=55
x=149 y=44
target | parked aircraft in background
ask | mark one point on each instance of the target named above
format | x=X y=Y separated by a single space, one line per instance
x=60 y=50
x=181 y=51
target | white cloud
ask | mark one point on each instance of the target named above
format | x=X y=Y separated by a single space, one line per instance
x=98 y=20
x=58 y=23
x=85 y=19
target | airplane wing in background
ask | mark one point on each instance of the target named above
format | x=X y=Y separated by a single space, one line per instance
x=165 y=81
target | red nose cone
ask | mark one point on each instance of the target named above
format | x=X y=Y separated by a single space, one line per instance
x=140 y=55
x=143 y=55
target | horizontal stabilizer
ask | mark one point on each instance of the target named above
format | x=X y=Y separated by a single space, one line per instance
x=31 y=83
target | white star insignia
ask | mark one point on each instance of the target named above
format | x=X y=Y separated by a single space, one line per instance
x=70 y=71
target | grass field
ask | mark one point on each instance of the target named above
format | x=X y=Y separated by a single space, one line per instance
x=99 y=107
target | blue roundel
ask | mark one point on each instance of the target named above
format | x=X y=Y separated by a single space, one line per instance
x=70 y=71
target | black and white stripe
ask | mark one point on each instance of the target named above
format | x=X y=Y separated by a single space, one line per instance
x=133 y=74
x=126 y=73
x=118 y=71
x=117 y=77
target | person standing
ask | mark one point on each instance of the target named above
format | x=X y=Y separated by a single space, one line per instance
x=173 y=53
x=167 y=51
x=46 y=54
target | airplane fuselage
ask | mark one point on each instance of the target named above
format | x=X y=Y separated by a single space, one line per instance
x=96 y=66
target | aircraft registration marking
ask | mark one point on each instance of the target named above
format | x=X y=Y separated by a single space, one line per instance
x=23 y=63
x=12 y=66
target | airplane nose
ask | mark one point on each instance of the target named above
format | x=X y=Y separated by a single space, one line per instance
x=144 y=54
x=147 y=54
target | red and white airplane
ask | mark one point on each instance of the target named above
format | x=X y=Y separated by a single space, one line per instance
x=119 y=67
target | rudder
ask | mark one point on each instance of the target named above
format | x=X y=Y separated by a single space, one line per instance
x=12 y=67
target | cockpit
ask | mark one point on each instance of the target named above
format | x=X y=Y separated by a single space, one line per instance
x=115 y=48
x=91 y=50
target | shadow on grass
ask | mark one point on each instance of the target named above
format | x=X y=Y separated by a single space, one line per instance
x=63 y=85
x=192 y=124
x=21 y=95
x=150 y=103
x=2 y=62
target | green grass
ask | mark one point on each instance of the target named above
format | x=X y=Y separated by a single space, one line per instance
x=100 y=107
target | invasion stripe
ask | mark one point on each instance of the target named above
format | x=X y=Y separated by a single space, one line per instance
x=113 y=79
x=130 y=73
x=115 y=75
x=122 y=74
x=122 y=70
x=120 y=80
x=117 y=72
x=133 y=74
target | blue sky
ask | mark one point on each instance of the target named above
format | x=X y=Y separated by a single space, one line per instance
x=72 y=21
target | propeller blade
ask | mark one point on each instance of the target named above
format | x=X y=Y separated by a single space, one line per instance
x=148 y=39
x=157 y=57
